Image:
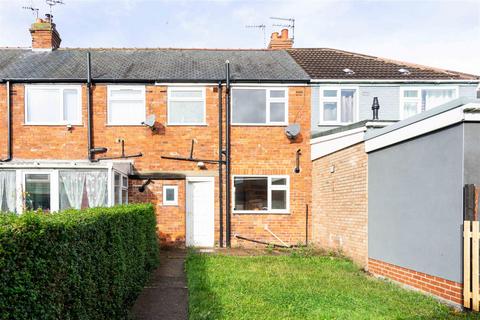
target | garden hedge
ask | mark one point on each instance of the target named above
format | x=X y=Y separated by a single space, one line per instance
x=76 y=264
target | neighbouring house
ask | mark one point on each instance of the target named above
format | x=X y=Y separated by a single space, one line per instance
x=417 y=170
x=343 y=86
x=340 y=189
x=98 y=127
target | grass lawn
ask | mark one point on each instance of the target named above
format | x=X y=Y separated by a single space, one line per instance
x=299 y=286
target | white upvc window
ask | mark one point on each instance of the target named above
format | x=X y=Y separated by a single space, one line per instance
x=414 y=100
x=120 y=188
x=53 y=104
x=338 y=105
x=260 y=106
x=170 y=195
x=261 y=194
x=40 y=189
x=186 y=106
x=126 y=105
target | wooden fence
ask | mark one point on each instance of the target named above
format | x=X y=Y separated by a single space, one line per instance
x=471 y=257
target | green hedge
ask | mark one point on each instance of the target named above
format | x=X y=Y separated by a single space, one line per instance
x=77 y=264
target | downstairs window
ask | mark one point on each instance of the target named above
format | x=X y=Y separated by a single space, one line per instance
x=261 y=194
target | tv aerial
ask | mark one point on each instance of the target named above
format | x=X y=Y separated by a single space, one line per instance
x=32 y=8
x=261 y=27
x=290 y=25
x=51 y=4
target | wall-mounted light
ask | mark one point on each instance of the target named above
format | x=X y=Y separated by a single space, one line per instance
x=201 y=165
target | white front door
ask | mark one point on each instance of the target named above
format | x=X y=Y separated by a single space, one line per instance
x=200 y=212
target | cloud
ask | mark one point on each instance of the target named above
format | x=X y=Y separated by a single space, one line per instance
x=439 y=33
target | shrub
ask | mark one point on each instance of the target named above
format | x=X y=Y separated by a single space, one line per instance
x=77 y=264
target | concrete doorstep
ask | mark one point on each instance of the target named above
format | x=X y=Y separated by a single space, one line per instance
x=166 y=295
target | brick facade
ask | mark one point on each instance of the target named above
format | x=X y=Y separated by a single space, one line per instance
x=272 y=154
x=445 y=289
x=340 y=202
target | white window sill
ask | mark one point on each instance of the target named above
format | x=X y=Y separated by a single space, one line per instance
x=331 y=124
x=259 y=124
x=261 y=212
x=53 y=124
x=187 y=124
x=124 y=125
x=170 y=204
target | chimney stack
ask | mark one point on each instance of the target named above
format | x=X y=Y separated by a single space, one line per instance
x=45 y=36
x=280 y=41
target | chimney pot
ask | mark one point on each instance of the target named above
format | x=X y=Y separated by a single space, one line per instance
x=280 y=41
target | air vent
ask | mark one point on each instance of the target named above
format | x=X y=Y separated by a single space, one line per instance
x=403 y=71
x=348 y=72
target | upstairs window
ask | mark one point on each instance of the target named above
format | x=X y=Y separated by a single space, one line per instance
x=53 y=105
x=126 y=105
x=186 y=106
x=258 y=106
x=337 y=106
x=417 y=99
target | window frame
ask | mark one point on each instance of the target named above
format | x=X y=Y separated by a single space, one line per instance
x=418 y=99
x=166 y=202
x=54 y=188
x=121 y=188
x=267 y=106
x=202 y=99
x=60 y=87
x=270 y=187
x=338 y=100
x=111 y=88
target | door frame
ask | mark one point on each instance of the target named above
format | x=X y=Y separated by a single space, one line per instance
x=188 y=204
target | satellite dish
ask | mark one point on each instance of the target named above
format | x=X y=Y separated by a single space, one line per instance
x=292 y=131
x=150 y=121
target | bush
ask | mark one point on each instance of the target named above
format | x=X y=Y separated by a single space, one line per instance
x=77 y=264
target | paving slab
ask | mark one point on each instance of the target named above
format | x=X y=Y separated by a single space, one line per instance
x=166 y=295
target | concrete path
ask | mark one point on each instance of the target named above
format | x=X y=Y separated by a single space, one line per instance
x=165 y=296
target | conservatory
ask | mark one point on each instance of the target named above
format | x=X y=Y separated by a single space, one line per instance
x=58 y=185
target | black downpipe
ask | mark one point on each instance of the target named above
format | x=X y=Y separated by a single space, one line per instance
x=220 y=160
x=9 y=126
x=227 y=158
x=89 y=108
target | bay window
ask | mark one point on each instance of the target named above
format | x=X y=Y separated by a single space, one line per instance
x=53 y=105
x=261 y=194
x=414 y=100
x=126 y=105
x=338 y=105
x=38 y=191
x=186 y=106
x=260 y=106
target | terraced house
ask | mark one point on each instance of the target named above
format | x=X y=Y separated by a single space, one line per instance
x=217 y=139
x=98 y=127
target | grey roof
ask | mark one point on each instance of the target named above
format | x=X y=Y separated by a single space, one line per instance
x=151 y=64
x=421 y=116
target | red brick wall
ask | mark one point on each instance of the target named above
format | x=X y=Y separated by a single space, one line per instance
x=267 y=151
x=272 y=154
x=340 y=202
x=445 y=289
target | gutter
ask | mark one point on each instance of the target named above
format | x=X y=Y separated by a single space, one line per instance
x=9 y=125
x=394 y=81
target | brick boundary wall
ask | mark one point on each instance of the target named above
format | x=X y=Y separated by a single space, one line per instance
x=445 y=289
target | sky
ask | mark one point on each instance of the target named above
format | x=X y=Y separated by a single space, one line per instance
x=439 y=33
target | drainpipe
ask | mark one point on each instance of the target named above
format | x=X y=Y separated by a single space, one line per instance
x=220 y=160
x=227 y=160
x=9 y=125
x=89 y=108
